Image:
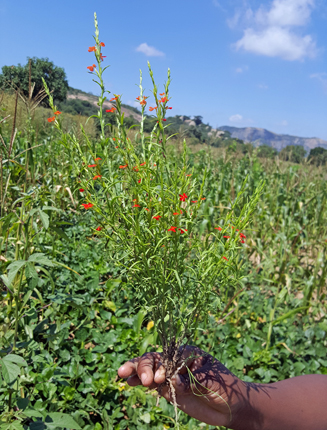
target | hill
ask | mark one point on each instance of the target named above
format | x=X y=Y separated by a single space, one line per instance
x=80 y=102
x=261 y=136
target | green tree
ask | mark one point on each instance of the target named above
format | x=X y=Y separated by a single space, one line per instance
x=318 y=156
x=36 y=69
x=266 y=151
x=293 y=153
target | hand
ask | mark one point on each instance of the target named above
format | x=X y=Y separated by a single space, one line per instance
x=208 y=392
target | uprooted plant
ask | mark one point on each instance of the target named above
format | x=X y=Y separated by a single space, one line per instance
x=151 y=210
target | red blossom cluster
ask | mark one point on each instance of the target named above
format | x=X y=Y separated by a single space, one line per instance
x=87 y=205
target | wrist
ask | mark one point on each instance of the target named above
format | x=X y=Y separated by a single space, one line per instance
x=245 y=415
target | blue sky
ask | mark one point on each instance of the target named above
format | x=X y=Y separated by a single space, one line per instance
x=235 y=62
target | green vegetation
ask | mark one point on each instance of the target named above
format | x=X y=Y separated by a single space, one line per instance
x=293 y=153
x=318 y=156
x=70 y=312
x=20 y=77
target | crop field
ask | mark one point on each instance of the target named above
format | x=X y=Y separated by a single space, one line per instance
x=73 y=303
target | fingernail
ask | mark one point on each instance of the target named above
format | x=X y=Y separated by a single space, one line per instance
x=143 y=378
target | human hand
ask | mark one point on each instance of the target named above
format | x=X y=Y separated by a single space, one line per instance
x=205 y=388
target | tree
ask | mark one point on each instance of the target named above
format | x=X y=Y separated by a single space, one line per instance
x=266 y=151
x=36 y=69
x=293 y=153
x=318 y=156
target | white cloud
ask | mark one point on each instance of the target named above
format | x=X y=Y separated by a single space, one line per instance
x=271 y=32
x=322 y=78
x=241 y=69
x=277 y=42
x=284 y=123
x=218 y=5
x=263 y=86
x=149 y=51
x=285 y=13
x=236 y=118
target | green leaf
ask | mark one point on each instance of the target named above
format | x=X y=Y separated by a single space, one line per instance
x=44 y=218
x=289 y=314
x=137 y=323
x=41 y=259
x=60 y=233
x=61 y=420
x=13 y=269
x=15 y=425
x=30 y=271
x=146 y=417
x=10 y=371
x=13 y=358
x=145 y=343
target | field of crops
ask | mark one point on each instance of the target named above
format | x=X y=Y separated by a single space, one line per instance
x=70 y=312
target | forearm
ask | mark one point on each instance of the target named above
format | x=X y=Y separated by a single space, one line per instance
x=298 y=403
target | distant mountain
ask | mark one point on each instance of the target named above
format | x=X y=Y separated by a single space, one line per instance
x=261 y=136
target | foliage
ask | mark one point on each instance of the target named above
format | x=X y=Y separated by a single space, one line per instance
x=266 y=151
x=18 y=77
x=318 y=156
x=293 y=153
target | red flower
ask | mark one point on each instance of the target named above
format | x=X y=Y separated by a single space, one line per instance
x=164 y=119
x=147 y=209
x=182 y=231
x=53 y=118
x=242 y=241
x=142 y=164
x=178 y=213
x=111 y=110
x=96 y=177
x=136 y=206
x=168 y=107
x=242 y=235
x=102 y=44
x=203 y=198
x=161 y=94
x=91 y=68
x=102 y=56
x=138 y=98
x=57 y=112
x=153 y=108
x=172 y=229
x=135 y=169
x=139 y=181
x=143 y=102
x=116 y=147
x=194 y=201
x=92 y=49
x=163 y=100
x=98 y=158
x=227 y=237
x=123 y=167
x=155 y=164
x=157 y=217
x=224 y=258
x=87 y=205
x=182 y=197
x=189 y=175
x=218 y=228
x=81 y=190
x=98 y=228
x=92 y=165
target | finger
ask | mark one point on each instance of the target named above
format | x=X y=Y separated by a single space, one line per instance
x=160 y=374
x=133 y=381
x=129 y=368
x=147 y=366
